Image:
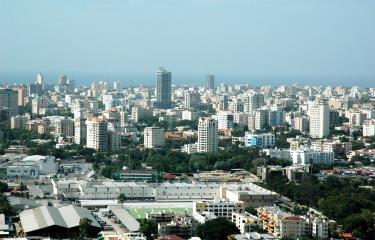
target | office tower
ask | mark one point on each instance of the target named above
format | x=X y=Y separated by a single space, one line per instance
x=116 y=85
x=71 y=84
x=63 y=80
x=9 y=100
x=191 y=99
x=153 y=137
x=80 y=131
x=97 y=134
x=40 y=79
x=253 y=102
x=222 y=103
x=35 y=88
x=319 y=119
x=210 y=82
x=163 y=89
x=21 y=96
x=208 y=137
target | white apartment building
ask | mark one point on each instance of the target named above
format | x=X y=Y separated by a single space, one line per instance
x=319 y=119
x=140 y=113
x=189 y=115
x=97 y=134
x=190 y=148
x=305 y=156
x=208 y=137
x=39 y=105
x=369 y=128
x=219 y=207
x=263 y=140
x=153 y=137
x=245 y=221
x=225 y=120
x=64 y=127
x=301 y=123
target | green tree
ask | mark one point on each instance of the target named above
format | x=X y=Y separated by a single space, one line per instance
x=84 y=228
x=3 y=187
x=217 y=229
x=121 y=198
x=148 y=228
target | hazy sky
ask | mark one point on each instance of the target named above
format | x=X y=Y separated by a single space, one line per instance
x=322 y=40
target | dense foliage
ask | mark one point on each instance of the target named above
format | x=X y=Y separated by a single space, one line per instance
x=341 y=199
x=217 y=229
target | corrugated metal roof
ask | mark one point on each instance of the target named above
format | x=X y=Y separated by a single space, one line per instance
x=43 y=217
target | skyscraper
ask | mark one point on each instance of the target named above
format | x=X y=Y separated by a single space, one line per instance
x=208 y=136
x=163 y=89
x=191 y=99
x=9 y=99
x=319 y=119
x=40 y=79
x=210 y=82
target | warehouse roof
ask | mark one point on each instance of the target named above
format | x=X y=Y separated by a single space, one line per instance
x=43 y=217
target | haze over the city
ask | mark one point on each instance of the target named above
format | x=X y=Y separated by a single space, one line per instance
x=256 y=42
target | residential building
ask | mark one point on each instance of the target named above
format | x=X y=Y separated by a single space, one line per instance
x=154 y=137
x=319 y=119
x=97 y=134
x=264 y=140
x=208 y=137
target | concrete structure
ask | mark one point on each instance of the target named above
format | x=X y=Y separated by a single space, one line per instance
x=153 y=137
x=9 y=100
x=319 y=119
x=208 y=137
x=246 y=222
x=369 y=128
x=19 y=122
x=210 y=82
x=305 y=156
x=97 y=134
x=225 y=120
x=191 y=99
x=253 y=102
x=264 y=140
x=163 y=89
x=32 y=167
x=80 y=131
x=219 y=207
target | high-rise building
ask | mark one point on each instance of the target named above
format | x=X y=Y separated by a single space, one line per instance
x=63 y=80
x=208 y=137
x=80 y=131
x=97 y=134
x=153 y=137
x=222 y=103
x=253 y=102
x=163 y=89
x=38 y=105
x=21 y=96
x=369 y=128
x=9 y=99
x=191 y=99
x=64 y=127
x=40 y=79
x=116 y=85
x=319 y=119
x=210 y=82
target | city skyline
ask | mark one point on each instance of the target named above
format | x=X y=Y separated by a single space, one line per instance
x=320 y=42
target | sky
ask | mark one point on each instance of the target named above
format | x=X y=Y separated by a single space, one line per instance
x=329 y=42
